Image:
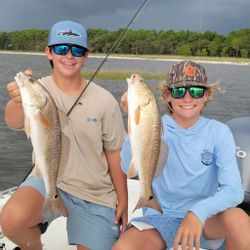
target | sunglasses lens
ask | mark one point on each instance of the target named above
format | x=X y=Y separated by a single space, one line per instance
x=78 y=51
x=61 y=50
x=196 y=92
x=178 y=93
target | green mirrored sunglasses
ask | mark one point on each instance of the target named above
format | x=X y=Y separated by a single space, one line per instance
x=195 y=92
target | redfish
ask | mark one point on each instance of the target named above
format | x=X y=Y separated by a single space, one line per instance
x=144 y=129
x=42 y=126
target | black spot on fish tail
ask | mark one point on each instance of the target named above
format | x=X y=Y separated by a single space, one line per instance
x=56 y=196
x=150 y=197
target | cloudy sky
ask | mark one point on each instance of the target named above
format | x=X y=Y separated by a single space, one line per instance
x=222 y=16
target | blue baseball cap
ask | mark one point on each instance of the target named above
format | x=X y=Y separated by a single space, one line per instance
x=68 y=32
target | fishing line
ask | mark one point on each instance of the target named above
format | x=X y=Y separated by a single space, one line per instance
x=112 y=49
x=201 y=22
x=201 y=15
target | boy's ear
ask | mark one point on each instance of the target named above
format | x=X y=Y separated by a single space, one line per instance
x=207 y=94
x=86 y=56
x=168 y=96
x=48 y=53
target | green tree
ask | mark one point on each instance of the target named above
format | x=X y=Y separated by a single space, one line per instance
x=184 y=50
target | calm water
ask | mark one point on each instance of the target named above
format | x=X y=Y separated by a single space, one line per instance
x=15 y=149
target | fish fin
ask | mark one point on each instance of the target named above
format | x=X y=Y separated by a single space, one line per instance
x=27 y=127
x=162 y=159
x=137 y=115
x=54 y=207
x=150 y=202
x=36 y=172
x=42 y=119
x=33 y=158
x=132 y=172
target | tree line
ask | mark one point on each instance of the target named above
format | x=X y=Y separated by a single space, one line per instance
x=151 y=42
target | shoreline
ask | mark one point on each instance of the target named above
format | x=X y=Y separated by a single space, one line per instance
x=142 y=58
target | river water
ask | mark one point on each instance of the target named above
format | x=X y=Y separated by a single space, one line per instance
x=15 y=149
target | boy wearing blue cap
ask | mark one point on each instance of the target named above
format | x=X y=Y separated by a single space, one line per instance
x=199 y=186
x=90 y=180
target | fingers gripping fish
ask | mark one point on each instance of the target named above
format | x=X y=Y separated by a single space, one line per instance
x=42 y=126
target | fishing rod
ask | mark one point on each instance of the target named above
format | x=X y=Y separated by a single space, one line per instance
x=112 y=49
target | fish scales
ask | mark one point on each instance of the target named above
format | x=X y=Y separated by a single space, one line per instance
x=42 y=126
x=145 y=134
x=48 y=150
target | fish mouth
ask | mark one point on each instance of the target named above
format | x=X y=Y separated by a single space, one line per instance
x=19 y=79
x=135 y=78
x=131 y=80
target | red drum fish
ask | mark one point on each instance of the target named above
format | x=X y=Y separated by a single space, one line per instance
x=42 y=126
x=144 y=129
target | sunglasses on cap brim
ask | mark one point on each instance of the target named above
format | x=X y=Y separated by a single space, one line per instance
x=63 y=49
x=195 y=92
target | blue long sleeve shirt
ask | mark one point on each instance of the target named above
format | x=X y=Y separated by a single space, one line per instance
x=201 y=173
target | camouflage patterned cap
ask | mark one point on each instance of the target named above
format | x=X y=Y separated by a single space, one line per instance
x=187 y=73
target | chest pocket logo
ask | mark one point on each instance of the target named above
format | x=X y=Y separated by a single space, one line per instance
x=206 y=157
x=91 y=120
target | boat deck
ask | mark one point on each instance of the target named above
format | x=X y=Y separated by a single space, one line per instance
x=56 y=237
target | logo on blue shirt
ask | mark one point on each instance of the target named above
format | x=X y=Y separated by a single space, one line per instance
x=206 y=157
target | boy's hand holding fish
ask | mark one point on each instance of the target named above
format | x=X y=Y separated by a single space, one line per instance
x=15 y=105
x=124 y=102
x=13 y=89
x=39 y=116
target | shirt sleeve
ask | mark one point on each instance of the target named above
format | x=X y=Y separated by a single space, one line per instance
x=113 y=129
x=126 y=155
x=230 y=192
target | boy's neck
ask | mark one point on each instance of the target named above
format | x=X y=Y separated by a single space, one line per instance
x=69 y=85
x=185 y=123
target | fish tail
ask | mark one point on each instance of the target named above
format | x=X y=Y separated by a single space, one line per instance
x=151 y=202
x=54 y=207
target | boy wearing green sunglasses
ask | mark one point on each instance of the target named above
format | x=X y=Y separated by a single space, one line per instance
x=186 y=92
x=200 y=185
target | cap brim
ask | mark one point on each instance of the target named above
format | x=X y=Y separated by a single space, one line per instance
x=186 y=83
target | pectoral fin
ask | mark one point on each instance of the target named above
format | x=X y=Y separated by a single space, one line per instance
x=44 y=120
x=27 y=127
x=132 y=172
x=137 y=115
x=36 y=172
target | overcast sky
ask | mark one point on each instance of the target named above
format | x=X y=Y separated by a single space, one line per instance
x=222 y=16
